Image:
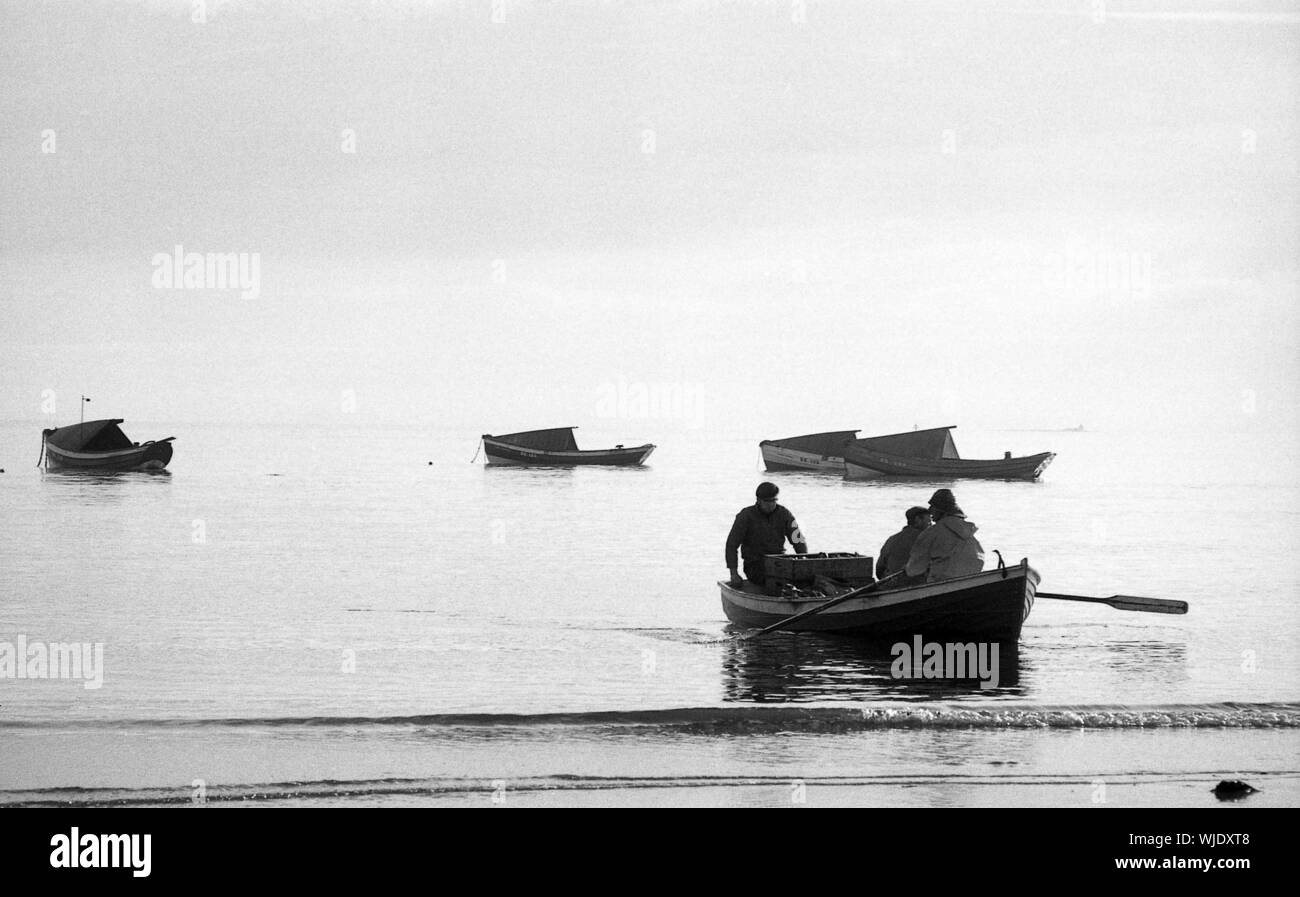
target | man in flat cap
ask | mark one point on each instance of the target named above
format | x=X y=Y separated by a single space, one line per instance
x=898 y=547
x=949 y=548
x=760 y=529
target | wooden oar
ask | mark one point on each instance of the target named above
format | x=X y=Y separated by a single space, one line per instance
x=1127 y=602
x=856 y=593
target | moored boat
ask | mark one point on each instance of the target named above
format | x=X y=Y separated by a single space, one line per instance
x=556 y=447
x=991 y=605
x=820 y=452
x=101 y=445
x=932 y=454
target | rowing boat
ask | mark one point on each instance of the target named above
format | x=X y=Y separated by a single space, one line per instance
x=101 y=445
x=932 y=454
x=991 y=605
x=556 y=447
x=820 y=452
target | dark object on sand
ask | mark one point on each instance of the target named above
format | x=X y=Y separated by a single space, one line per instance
x=1233 y=790
x=556 y=448
x=101 y=445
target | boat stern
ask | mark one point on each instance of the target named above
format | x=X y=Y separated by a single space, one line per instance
x=157 y=455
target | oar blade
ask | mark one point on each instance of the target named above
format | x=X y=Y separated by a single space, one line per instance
x=1149 y=605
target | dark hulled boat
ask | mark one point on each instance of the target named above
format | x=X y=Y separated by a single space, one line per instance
x=991 y=605
x=101 y=445
x=821 y=452
x=557 y=448
x=932 y=454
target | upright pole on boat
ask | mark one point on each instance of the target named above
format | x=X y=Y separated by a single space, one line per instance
x=84 y=400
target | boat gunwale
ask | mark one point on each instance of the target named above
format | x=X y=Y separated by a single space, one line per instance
x=906 y=595
x=105 y=456
x=1020 y=467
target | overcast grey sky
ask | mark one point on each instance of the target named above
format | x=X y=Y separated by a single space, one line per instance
x=813 y=215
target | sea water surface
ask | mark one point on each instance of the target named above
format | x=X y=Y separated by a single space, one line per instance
x=353 y=615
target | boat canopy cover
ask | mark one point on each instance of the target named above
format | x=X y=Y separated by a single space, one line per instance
x=830 y=443
x=559 y=439
x=92 y=436
x=934 y=443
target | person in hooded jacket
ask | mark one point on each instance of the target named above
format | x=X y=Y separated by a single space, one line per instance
x=948 y=548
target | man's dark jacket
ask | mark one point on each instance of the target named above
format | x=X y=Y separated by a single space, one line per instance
x=756 y=534
x=895 y=552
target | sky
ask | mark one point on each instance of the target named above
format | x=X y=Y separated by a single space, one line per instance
x=767 y=217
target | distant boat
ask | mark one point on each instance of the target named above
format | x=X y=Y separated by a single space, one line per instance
x=823 y=452
x=933 y=455
x=101 y=445
x=990 y=605
x=557 y=448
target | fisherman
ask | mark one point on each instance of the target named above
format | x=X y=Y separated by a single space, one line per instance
x=898 y=547
x=949 y=548
x=760 y=529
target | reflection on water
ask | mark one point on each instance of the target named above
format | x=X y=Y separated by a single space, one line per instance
x=104 y=476
x=926 y=487
x=1156 y=663
x=531 y=471
x=100 y=486
x=807 y=666
x=562 y=471
x=1161 y=660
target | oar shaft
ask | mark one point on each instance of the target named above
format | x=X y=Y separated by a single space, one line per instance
x=1126 y=602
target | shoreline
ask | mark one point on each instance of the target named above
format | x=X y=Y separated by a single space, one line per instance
x=597 y=766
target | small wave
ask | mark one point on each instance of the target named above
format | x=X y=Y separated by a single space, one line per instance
x=681 y=636
x=778 y=718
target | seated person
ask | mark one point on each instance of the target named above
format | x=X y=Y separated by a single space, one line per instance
x=949 y=548
x=898 y=547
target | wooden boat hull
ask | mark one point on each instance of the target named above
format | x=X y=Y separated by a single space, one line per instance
x=865 y=464
x=150 y=456
x=778 y=458
x=507 y=454
x=992 y=606
x=817 y=452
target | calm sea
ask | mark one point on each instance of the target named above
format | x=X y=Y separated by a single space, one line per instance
x=352 y=615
